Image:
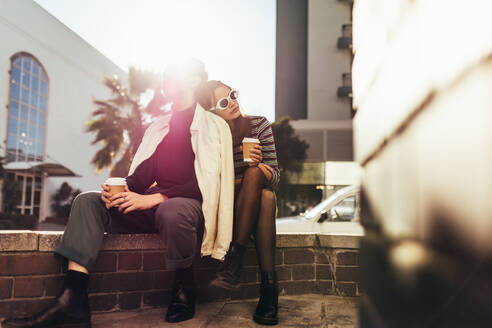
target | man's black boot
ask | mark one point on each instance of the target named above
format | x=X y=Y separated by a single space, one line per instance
x=182 y=306
x=267 y=309
x=230 y=272
x=71 y=308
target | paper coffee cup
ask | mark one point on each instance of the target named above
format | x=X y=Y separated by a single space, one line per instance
x=116 y=185
x=248 y=144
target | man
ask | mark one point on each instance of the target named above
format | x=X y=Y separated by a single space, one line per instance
x=188 y=154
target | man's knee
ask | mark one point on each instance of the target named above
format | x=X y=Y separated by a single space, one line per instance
x=172 y=214
x=86 y=202
x=88 y=198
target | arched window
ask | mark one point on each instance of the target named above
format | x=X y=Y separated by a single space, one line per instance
x=27 y=109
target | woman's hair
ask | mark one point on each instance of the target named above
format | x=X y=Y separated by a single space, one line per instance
x=206 y=98
x=205 y=93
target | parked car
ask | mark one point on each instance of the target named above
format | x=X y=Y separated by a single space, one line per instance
x=339 y=213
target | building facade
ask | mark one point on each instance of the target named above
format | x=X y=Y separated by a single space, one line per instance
x=48 y=79
x=313 y=87
x=313 y=79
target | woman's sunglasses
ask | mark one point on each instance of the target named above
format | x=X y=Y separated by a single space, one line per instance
x=223 y=103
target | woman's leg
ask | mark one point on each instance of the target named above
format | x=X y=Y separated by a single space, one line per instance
x=248 y=204
x=266 y=232
x=267 y=308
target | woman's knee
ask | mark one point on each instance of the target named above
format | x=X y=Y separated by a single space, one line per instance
x=253 y=174
x=267 y=195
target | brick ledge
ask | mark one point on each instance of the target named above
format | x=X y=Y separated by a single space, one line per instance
x=46 y=241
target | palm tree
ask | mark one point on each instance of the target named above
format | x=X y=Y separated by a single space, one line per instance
x=291 y=149
x=11 y=189
x=120 y=122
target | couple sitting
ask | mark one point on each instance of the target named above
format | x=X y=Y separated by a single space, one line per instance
x=202 y=188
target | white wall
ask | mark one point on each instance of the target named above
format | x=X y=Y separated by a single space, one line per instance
x=75 y=71
x=327 y=63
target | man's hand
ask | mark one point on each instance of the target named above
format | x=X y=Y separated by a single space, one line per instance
x=255 y=154
x=106 y=195
x=128 y=201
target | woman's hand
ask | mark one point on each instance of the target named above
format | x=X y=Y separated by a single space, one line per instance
x=128 y=201
x=267 y=170
x=106 y=195
x=256 y=155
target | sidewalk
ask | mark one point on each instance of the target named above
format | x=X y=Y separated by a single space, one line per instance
x=310 y=310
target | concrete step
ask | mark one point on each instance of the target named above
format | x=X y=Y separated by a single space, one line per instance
x=310 y=310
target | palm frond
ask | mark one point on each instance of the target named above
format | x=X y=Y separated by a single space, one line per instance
x=120 y=169
x=118 y=118
x=141 y=80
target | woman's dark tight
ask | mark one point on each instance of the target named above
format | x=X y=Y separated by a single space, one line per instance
x=255 y=213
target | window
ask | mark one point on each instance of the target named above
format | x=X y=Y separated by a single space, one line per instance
x=344 y=210
x=27 y=109
x=31 y=185
x=347 y=30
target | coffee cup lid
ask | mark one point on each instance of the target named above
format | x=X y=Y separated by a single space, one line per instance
x=116 y=182
x=251 y=140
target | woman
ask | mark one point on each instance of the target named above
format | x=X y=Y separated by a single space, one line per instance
x=255 y=203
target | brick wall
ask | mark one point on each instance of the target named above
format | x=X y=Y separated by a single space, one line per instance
x=130 y=272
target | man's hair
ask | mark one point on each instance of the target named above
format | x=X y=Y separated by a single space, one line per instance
x=185 y=68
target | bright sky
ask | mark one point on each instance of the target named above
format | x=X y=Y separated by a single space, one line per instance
x=235 y=38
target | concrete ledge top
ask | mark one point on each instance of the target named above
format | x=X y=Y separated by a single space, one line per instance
x=46 y=241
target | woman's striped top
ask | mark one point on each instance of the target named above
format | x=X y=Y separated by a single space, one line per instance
x=262 y=130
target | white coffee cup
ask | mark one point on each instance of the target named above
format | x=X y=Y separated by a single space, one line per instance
x=116 y=185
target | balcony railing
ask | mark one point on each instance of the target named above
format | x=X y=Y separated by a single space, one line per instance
x=345 y=41
x=345 y=91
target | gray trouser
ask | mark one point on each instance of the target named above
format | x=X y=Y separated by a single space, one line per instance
x=178 y=220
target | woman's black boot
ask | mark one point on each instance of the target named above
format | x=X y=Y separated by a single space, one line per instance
x=267 y=309
x=229 y=273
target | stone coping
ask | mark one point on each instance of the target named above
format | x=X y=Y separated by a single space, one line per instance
x=46 y=241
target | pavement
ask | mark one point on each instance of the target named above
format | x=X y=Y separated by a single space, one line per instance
x=309 y=310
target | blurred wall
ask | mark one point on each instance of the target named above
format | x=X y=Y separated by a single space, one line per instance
x=422 y=130
x=422 y=75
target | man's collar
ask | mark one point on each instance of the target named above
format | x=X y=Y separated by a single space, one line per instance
x=198 y=118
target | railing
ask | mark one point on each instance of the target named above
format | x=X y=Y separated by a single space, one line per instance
x=345 y=41
x=346 y=89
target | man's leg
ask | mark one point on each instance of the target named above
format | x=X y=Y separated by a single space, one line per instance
x=88 y=221
x=84 y=233
x=80 y=244
x=179 y=221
